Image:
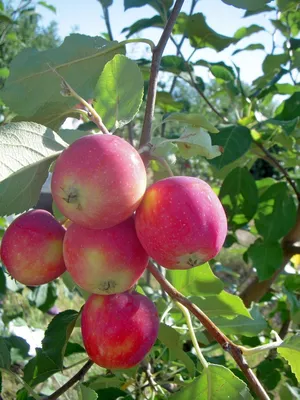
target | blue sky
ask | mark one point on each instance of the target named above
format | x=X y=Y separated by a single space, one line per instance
x=87 y=16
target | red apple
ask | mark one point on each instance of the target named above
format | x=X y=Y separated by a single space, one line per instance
x=104 y=261
x=98 y=181
x=181 y=222
x=119 y=330
x=32 y=248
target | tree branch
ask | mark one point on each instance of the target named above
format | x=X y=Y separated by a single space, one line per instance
x=107 y=22
x=275 y=162
x=77 y=377
x=157 y=54
x=223 y=340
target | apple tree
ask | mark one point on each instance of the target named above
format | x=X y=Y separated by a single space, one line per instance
x=165 y=178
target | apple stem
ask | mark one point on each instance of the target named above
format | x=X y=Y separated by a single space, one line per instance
x=269 y=346
x=235 y=351
x=189 y=323
x=92 y=114
x=163 y=162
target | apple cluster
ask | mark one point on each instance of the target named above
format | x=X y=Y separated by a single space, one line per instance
x=116 y=223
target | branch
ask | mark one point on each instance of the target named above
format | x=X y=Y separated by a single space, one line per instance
x=193 y=83
x=275 y=162
x=77 y=377
x=157 y=54
x=107 y=22
x=223 y=340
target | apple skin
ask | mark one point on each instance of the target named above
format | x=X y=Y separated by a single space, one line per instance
x=181 y=222
x=104 y=261
x=32 y=248
x=119 y=330
x=98 y=181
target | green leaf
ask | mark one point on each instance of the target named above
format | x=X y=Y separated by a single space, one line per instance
x=119 y=92
x=171 y=339
x=165 y=101
x=289 y=109
x=86 y=393
x=269 y=373
x=4 y=17
x=144 y=23
x=174 y=64
x=250 y=47
x=48 y=6
x=26 y=152
x=196 y=142
x=276 y=213
x=266 y=258
x=57 y=336
x=18 y=347
x=290 y=350
x=106 y=3
x=112 y=393
x=242 y=325
x=193 y=119
x=4 y=73
x=80 y=60
x=239 y=196
x=223 y=304
x=243 y=32
x=4 y=354
x=214 y=383
x=71 y=135
x=221 y=72
x=39 y=368
x=292 y=283
x=158 y=5
x=272 y=63
x=43 y=297
x=235 y=141
x=196 y=281
x=247 y=4
x=73 y=348
x=201 y=35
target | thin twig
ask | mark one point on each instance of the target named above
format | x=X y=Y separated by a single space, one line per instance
x=196 y=87
x=163 y=163
x=77 y=377
x=222 y=339
x=107 y=21
x=280 y=168
x=157 y=54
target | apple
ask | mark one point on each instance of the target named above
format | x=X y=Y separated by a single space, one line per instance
x=181 y=222
x=119 y=330
x=104 y=261
x=98 y=181
x=32 y=248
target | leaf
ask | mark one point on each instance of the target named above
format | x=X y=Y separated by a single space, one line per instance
x=144 y=23
x=71 y=135
x=193 y=119
x=73 y=348
x=223 y=304
x=106 y=3
x=113 y=393
x=242 y=325
x=289 y=109
x=26 y=152
x=48 y=6
x=196 y=281
x=171 y=339
x=165 y=101
x=276 y=212
x=80 y=60
x=196 y=142
x=4 y=73
x=18 y=347
x=239 y=196
x=119 y=92
x=221 y=72
x=214 y=383
x=235 y=140
x=201 y=35
x=272 y=63
x=292 y=282
x=4 y=17
x=39 y=368
x=158 y=5
x=290 y=350
x=43 y=297
x=57 y=335
x=247 y=4
x=266 y=258
x=243 y=32
x=4 y=354
x=250 y=47
x=86 y=393
x=174 y=64
x=269 y=373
